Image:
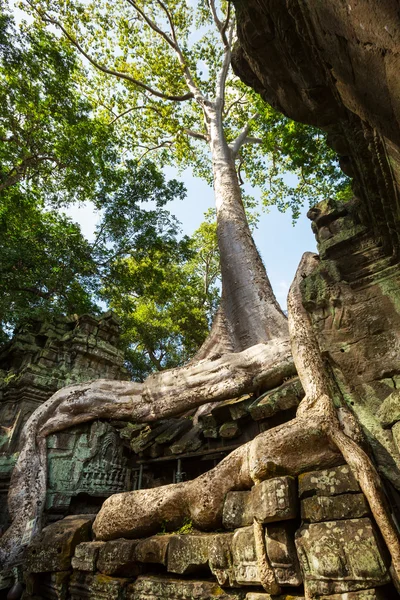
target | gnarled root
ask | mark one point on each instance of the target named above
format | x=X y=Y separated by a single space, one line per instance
x=164 y=394
x=265 y=572
x=290 y=448
x=319 y=406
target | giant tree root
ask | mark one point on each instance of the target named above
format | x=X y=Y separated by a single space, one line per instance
x=318 y=404
x=288 y=449
x=305 y=443
x=164 y=394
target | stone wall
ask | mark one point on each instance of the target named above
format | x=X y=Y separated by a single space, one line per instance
x=317 y=534
x=40 y=359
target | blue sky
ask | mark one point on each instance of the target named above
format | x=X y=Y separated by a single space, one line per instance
x=280 y=244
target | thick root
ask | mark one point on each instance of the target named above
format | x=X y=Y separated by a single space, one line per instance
x=265 y=572
x=289 y=449
x=318 y=405
x=164 y=394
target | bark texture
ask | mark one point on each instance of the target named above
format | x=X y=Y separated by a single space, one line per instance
x=163 y=394
x=320 y=408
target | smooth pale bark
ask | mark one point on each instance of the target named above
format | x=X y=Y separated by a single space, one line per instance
x=249 y=304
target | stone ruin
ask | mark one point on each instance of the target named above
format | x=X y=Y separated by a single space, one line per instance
x=40 y=359
x=336 y=65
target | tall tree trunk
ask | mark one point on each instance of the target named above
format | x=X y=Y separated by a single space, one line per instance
x=249 y=304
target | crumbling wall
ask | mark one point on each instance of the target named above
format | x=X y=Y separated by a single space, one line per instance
x=40 y=359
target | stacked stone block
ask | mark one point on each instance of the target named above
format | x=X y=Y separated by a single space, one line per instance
x=334 y=553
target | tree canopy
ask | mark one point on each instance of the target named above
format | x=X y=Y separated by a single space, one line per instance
x=71 y=133
x=165 y=53
x=56 y=151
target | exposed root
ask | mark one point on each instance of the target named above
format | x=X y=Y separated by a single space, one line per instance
x=265 y=571
x=319 y=407
x=164 y=394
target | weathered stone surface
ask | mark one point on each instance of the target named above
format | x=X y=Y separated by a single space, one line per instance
x=118 y=557
x=41 y=358
x=153 y=549
x=229 y=430
x=188 y=553
x=263 y=596
x=330 y=508
x=189 y=442
x=96 y=587
x=231 y=410
x=220 y=559
x=54 y=547
x=238 y=510
x=375 y=594
x=85 y=557
x=286 y=396
x=274 y=499
x=50 y=586
x=389 y=411
x=396 y=435
x=340 y=556
x=87 y=459
x=281 y=551
x=329 y=482
x=163 y=588
x=244 y=557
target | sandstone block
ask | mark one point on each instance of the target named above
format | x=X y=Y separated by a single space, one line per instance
x=263 y=596
x=340 y=556
x=274 y=500
x=164 y=588
x=188 y=553
x=389 y=411
x=329 y=482
x=229 y=430
x=85 y=557
x=54 y=547
x=331 y=508
x=49 y=586
x=153 y=550
x=244 y=557
x=238 y=510
x=220 y=559
x=96 y=587
x=286 y=396
x=281 y=551
x=375 y=594
x=396 y=435
x=118 y=557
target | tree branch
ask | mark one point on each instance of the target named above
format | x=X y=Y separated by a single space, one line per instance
x=128 y=110
x=120 y=74
x=221 y=26
x=242 y=137
x=223 y=74
x=173 y=43
x=197 y=135
x=234 y=103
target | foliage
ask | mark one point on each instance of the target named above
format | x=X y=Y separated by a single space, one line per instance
x=46 y=264
x=50 y=142
x=150 y=46
x=166 y=302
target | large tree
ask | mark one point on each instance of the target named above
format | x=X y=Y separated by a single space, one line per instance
x=249 y=342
